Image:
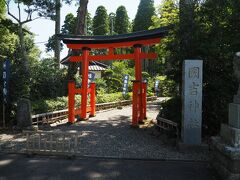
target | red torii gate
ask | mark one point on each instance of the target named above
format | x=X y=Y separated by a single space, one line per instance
x=136 y=40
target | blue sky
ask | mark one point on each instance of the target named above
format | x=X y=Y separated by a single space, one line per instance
x=43 y=28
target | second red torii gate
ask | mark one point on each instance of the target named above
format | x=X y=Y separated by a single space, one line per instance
x=86 y=43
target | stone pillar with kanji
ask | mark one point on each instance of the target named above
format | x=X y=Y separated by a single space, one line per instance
x=191 y=131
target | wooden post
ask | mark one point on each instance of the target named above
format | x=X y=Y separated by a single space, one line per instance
x=93 y=99
x=71 y=101
x=144 y=99
x=85 y=64
x=135 y=103
x=138 y=62
x=138 y=76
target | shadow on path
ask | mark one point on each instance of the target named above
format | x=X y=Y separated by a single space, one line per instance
x=41 y=168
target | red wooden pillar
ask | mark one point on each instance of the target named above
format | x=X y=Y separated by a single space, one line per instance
x=71 y=101
x=138 y=62
x=85 y=64
x=135 y=103
x=93 y=99
x=138 y=76
x=144 y=99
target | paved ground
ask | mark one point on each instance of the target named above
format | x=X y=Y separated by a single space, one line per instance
x=109 y=135
x=41 y=168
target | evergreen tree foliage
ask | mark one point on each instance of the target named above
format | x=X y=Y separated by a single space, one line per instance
x=89 y=25
x=207 y=30
x=121 y=21
x=100 y=21
x=7 y=34
x=2 y=8
x=69 y=24
x=33 y=10
x=219 y=34
x=167 y=14
x=144 y=14
x=69 y=27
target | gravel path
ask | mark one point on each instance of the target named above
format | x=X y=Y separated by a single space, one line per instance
x=109 y=134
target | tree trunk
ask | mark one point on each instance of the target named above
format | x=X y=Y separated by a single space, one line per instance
x=81 y=17
x=80 y=27
x=25 y=65
x=187 y=33
x=57 y=31
x=24 y=119
x=187 y=28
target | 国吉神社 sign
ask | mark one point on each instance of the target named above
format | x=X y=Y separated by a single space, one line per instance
x=192 y=102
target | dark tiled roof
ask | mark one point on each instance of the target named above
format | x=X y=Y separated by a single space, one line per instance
x=140 y=35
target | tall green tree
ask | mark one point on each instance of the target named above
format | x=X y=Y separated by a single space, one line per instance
x=122 y=24
x=69 y=27
x=69 y=24
x=8 y=37
x=167 y=14
x=219 y=25
x=142 y=21
x=100 y=21
x=143 y=18
x=188 y=28
x=181 y=44
x=57 y=20
x=33 y=10
x=208 y=30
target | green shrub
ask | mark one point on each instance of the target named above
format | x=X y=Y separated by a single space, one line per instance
x=167 y=87
x=100 y=84
x=171 y=109
x=42 y=106
x=49 y=105
x=112 y=97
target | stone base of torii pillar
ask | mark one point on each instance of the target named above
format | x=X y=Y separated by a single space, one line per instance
x=225 y=157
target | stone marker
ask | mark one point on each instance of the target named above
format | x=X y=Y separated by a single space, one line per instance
x=226 y=147
x=24 y=119
x=192 y=102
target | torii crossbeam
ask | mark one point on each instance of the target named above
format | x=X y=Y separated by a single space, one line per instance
x=136 y=40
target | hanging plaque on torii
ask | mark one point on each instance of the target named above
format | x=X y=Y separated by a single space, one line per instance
x=86 y=43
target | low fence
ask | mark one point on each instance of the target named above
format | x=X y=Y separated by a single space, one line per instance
x=50 y=117
x=55 y=143
x=55 y=116
x=168 y=125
